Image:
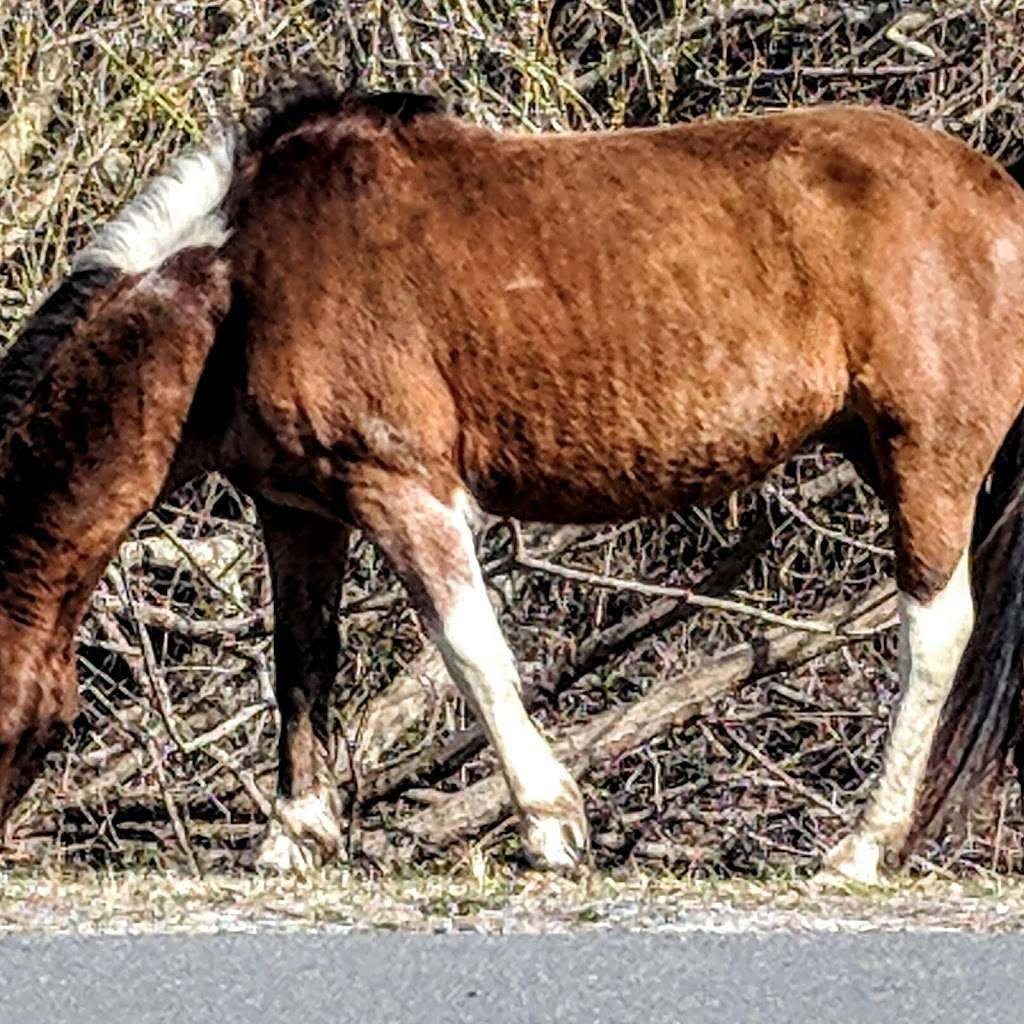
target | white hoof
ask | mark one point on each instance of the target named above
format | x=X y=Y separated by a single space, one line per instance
x=277 y=853
x=853 y=859
x=553 y=844
x=303 y=834
x=555 y=832
x=313 y=817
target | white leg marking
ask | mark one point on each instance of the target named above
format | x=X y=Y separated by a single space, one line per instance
x=303 y=833
x=932 y=639
x=551 y=808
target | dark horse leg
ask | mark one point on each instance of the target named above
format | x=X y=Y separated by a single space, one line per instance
x=307 y=560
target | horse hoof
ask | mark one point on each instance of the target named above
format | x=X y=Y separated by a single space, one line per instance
x=313 y=819
x=303 y=834
x=277 y=853
x=555 y=837
x=853 y=859
x=554 y=845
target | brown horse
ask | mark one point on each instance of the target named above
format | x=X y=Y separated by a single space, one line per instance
x=370 y=313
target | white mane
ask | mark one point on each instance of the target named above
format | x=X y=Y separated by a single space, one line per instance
x=178 y=209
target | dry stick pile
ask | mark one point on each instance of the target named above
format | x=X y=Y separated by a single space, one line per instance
x=710 y=735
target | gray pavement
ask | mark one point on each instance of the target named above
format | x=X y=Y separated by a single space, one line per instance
x=593 y=977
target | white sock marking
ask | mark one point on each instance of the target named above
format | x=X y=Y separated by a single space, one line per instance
x=932 y=640
x=484 y=669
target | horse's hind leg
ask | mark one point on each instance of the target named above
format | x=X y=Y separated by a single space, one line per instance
x=429 y=543
x=307 y=560
x=932 y=529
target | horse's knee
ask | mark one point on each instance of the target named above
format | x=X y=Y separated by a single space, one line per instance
x=40 y=700
x=29 y=729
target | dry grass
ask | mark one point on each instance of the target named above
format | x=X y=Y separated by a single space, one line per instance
x=171 y=765
x=493 y=900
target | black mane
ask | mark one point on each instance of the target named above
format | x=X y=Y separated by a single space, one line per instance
x=401 y=106
x=1016 y=171
x=288 y=109
x=27 y=359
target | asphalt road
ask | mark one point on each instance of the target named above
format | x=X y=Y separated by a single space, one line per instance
x=590 y=977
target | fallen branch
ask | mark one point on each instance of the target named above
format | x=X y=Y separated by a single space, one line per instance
x=218 y=560
x=391 y=714
x=684 y=594
x=668 y=704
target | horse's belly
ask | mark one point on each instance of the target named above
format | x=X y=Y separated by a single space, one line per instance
x=599 y=479
x=581 y=422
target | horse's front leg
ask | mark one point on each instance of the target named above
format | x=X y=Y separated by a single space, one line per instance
x=307 y=557
x=429 y=542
